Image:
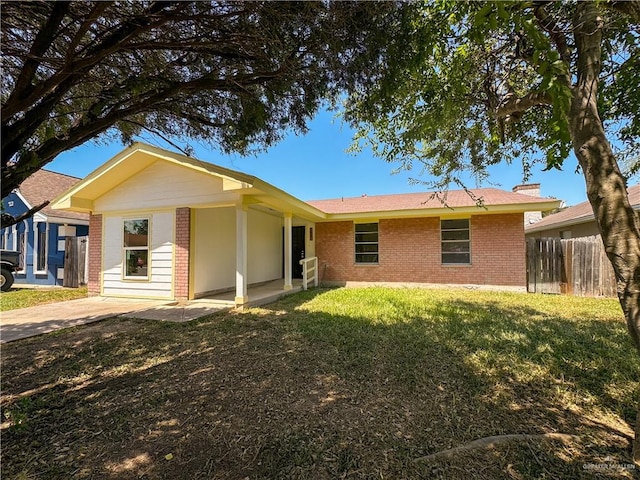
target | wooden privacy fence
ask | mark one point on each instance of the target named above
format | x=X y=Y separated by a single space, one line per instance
x=75 y=261
x=573 y=266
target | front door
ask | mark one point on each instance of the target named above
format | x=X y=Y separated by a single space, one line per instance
x=297 y=250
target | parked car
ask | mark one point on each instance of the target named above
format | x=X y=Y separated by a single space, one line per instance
x=9 y=263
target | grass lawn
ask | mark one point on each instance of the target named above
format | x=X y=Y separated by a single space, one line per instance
x=325 y=384
x=29 y=297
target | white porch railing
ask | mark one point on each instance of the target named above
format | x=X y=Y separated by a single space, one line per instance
x=309 y=272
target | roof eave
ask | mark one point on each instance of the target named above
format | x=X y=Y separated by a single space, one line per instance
x=73 y=200
x=446 y=211
x=536 y=227
x=299 y=207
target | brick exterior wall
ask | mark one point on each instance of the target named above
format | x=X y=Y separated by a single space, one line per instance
x=182 y=245
x=409 y=251
x=95 y=255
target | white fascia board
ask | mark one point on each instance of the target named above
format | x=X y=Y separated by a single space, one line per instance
x=461 y=212
x=24 y=200
x=68 y=221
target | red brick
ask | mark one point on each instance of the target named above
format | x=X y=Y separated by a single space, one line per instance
x=95 y=255
x=182 y=246
x=410 y=251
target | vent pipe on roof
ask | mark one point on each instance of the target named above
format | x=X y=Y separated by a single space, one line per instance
x=533 y=190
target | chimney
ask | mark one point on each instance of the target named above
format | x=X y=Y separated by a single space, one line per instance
x=533 y=190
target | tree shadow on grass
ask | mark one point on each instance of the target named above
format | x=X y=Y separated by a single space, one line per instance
x=291 y=391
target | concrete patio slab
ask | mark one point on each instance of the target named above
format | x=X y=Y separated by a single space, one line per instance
x=32 y=321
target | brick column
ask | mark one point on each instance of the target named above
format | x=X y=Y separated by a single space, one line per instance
x=183 y=243
x=95 y=255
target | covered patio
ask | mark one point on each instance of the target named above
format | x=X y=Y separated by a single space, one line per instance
x=257 y=294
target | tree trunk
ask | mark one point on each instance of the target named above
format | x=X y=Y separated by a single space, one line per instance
x=618 y=223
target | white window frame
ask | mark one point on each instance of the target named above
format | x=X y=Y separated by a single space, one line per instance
x=443 y=241
x=125 y=249
x=25 y=244
x=36 y=247
x=356 y=243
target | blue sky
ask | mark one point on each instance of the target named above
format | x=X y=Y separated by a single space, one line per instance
x=316 y=166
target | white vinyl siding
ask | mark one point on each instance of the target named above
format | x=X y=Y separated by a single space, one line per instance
x=164 y=185
x=160 y=282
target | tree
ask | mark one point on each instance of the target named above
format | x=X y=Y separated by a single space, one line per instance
x=235 y=74
x=469 y=84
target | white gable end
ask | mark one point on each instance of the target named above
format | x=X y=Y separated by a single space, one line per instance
x=164 y=185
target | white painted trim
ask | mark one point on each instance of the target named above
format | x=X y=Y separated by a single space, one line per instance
x=36 y=247
x=241 y=255
x=288 y=270
x=24 y=200
x=14 y=237
x=68 y=221
x=25 y=244
x=137 y=278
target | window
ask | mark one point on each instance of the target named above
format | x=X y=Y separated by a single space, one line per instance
x=565 y=234
x=366 y=236
x=40 y=229
x=21 y=245
x=136 y=248
x=456 y=247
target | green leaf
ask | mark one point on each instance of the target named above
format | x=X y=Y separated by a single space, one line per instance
x=482 y=14
x=502 y=11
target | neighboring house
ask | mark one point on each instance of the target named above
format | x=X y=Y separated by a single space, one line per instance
x=40 y=239
x=167 y=226
x=576 y=221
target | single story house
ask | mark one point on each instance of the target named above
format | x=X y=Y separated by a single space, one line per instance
x=41 y=238
x=576 y=221
x=167 y=226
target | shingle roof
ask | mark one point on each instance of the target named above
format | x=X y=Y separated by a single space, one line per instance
x=424 y=200
x=45 y=185
x=579 y=213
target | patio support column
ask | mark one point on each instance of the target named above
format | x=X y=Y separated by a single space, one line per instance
x=288 y=285
x=241 y=255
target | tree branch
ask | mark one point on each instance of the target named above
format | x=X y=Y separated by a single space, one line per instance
x=40 y=45
x=628 y=7
x=159 y=134
x=549 y=25
x=513 y=105
x=491 y=442
x=56 y=85
x=8 y=220
x=92 y=17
